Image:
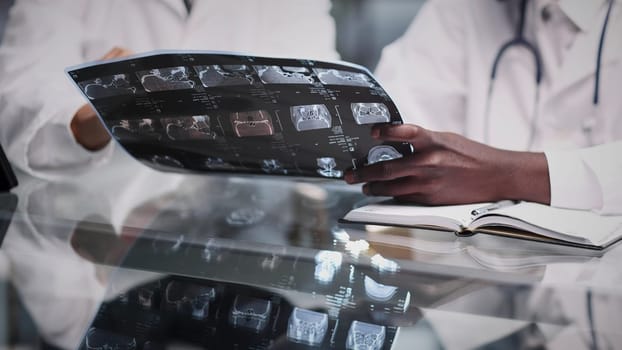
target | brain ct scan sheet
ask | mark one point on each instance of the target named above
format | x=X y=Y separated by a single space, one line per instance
x=223 y=112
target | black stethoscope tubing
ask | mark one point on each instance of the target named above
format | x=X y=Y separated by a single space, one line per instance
x=520 y=41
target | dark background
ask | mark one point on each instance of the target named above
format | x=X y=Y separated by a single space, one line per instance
x=364 y=27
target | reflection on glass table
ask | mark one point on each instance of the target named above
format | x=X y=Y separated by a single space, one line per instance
x=242 y=283
x=239 y=317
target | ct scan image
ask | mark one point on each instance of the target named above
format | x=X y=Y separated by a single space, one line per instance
x=188 y=128
x=327 y=167
x=364 y=335
x=250 y=313
x=245 y=217
x=273 y=166
x=108 y=86
x=284 y=75
x=217 y=163
x=135 y=130
x=167 y=161
x=186 y=298
x=225 y=75
x=166 y=79
x=342 y=77
x=311 y=117
x=307 y=327
x=252 y=123
x=219 y=112
x=382 y=153
x=370 y=113
x=377 y=291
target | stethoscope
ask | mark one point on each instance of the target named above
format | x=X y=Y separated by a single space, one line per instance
x=520 y=41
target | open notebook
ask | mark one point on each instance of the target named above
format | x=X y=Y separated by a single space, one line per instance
x=522 y=220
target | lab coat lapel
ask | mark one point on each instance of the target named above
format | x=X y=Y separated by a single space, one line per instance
x=177 y=6
x=580 y=61
x=201 y=10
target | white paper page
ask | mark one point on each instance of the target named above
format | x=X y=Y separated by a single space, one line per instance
x=580 y=224
x=452 y=216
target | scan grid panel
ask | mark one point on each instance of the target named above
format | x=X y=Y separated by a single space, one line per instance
x=214 y=112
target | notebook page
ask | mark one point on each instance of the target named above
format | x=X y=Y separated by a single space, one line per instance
x=578 y=224
x=454 y=217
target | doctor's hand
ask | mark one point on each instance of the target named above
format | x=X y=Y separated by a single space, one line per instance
x=86 y=127
x=447 y=168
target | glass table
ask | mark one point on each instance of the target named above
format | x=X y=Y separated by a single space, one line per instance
x=128 y=258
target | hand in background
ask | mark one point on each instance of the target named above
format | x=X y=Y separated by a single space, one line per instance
x=447 y=168
x=85 y=125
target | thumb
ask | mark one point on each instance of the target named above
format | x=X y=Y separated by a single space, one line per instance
x=117 y=52
x=417 y=136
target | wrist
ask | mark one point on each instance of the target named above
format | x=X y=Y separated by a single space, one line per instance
x=528 y=178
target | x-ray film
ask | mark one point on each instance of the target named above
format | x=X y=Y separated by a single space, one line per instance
x=134 y=130
x=370 y=113
x=327 y=167
x=188 y=128
x=273 y=166
x=164 y=79
x=284 y=75
x=311 y=117
x=377 y=291
x=252 y=123
x=365 y=336
x=224 y=75
x=97 y=339
x=307 y=327
x=250 y=313
x=188 y=299
x=342 y=77
x=222 y=112
x=382 y=153
x=113 y=85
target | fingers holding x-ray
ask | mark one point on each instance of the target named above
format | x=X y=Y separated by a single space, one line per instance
x=417 y=136
x=383 y=171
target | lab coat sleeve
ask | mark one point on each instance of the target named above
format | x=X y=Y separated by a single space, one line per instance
x=588 y=178
x=37 y=100
x=424 y=71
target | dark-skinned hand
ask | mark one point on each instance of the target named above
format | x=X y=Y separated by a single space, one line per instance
x=447 y=168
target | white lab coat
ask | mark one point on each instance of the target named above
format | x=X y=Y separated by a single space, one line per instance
x=37 y=101
x=439 y=71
